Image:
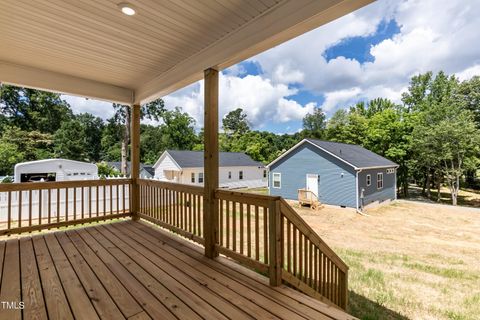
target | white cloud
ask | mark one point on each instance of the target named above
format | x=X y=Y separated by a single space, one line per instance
x=262 y=100
x=434 y=35
x=468 y=73
x=98 y=108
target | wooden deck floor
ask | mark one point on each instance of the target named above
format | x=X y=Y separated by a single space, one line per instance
x=131 y=270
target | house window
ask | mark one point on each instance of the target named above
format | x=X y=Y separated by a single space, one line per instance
x=264 y=173
x=240 y=175
x=200 y=177
x=379 y=180
x=277 y=180
x=229 y=174
x=369 y=180
x=193 y=177
x=390 y=171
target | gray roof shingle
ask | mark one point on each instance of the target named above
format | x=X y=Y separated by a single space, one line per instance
x=356 y=155
x=194 y=159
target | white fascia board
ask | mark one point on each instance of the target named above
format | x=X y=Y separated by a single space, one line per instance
x=30 y=77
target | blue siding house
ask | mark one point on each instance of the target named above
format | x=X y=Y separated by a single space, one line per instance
x=340 y=174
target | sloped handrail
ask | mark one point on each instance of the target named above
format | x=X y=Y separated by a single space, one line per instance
x=309 y=264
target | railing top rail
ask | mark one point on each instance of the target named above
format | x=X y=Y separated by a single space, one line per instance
x=5 y=187
x=171 y=186
x=245 y=197
x=294 y=218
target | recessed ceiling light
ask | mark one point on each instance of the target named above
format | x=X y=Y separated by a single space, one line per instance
x=127 y=8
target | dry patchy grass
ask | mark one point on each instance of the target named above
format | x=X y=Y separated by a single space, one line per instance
x=407 y=260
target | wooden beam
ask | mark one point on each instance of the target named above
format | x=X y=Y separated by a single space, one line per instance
x=210 y=207
x=135 y=159
x=35 y=78
x=275 y=243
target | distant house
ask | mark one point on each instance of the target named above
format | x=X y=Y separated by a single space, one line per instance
x=237 y=170
x=340 y=174
x=54 y=170
x=118 y=166
x=147 y=172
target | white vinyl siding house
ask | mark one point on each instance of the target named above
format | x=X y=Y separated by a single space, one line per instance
x=237 y=170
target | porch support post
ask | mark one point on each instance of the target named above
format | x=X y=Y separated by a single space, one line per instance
x=210 y=207
x=135 y=160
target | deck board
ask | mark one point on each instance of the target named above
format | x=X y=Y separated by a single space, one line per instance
x=31 y=288
x=133 y=270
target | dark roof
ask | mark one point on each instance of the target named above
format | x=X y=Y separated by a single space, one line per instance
x=353 y=154
x=149 y=169
x=194 y=159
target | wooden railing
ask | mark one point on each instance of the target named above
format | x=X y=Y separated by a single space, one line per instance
x=259 y=231
x=26 y=207
x=244 y=227
x=262 y=232
x=308 y=263
x=267 y=234
x=176 y=207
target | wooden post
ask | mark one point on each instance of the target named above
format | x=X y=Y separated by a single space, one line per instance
x=275 y=243
x=135 y=160
x=210 y=208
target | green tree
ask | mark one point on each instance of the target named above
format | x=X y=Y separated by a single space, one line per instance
x=449 y=141
x=104 y=170
x=17 y=145
x=71 y=141
x=178 y=130
x=314 y=124
x=9 y=156
x=468 y=95
x=93 y=128
x=235 y=122
x=33 y=110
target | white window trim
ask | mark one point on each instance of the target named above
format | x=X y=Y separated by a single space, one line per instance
x=379 y=174
x=368 y=180
x=200 y=174
x=279 y=175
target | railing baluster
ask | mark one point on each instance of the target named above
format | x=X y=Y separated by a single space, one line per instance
x=49 y=205
x=29 y=208
x=20 y=205
x=265 y=235
x=83 y=202
x=9 y=210
x=111 y=199
x=74 y=203
x=249 y=232
x=257 y=234
x=40 y=204
x=227 y=219
x=97 y=201
x=241 y=227
x=66 y=204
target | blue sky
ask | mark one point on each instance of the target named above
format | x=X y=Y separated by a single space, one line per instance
x=370 y=53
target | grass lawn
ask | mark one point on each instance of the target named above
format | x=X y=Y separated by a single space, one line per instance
x=408 y=260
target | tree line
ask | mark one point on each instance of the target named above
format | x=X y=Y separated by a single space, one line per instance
x=433 y=134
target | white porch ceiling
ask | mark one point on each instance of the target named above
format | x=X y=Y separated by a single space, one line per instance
x=89 y=48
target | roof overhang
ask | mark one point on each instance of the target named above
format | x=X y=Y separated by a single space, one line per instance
x=89 y=49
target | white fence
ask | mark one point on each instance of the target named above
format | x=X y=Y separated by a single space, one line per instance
x=60 y=204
